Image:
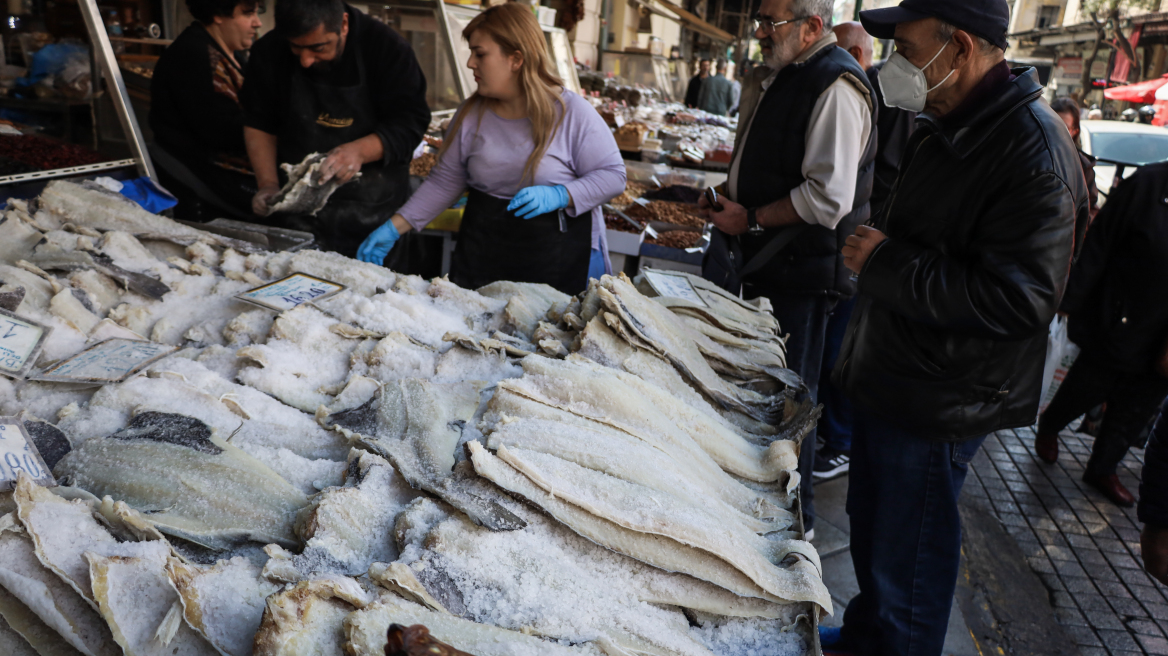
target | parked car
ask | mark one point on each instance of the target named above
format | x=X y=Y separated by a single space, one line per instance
x=1135 y=144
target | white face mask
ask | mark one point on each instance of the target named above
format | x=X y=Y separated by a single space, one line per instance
x=904 y=85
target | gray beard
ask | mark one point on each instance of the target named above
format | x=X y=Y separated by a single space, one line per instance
x=783 y=52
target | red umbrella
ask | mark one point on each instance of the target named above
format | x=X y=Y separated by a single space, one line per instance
x=1140 y=92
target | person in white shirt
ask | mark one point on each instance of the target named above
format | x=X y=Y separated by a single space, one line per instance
x=800 y=180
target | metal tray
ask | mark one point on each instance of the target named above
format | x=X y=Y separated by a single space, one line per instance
x=268 y=237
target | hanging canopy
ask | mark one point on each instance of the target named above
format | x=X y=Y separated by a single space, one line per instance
x=1142 y=92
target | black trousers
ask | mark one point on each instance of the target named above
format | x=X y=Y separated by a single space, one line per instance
x=1132 y=400
x=804 y=318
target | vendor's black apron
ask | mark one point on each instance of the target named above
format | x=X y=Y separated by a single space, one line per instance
x=321 y=117
x=494 y=244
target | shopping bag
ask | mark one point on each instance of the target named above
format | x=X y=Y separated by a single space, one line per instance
x=1061 y=353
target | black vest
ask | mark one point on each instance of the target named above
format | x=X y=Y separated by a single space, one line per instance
x=772 y=166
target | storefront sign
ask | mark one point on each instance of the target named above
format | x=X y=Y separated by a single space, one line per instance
x=1070 y=67
x=674 y=286
x=289 y=292
x=21 y=341
x=19 y=454
x=111 y=361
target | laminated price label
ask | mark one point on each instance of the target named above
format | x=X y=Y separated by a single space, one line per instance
x=19 y=454
x=111 y=361
x=21 y=341
x=287 y=293
x=674 y=286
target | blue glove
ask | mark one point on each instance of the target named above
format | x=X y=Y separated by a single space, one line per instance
x=377 y=245
x=533 y=201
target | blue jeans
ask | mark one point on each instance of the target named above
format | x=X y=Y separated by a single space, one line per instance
x=906 y=537
x=835 y=425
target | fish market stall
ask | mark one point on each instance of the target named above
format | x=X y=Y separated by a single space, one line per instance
x=221 y=449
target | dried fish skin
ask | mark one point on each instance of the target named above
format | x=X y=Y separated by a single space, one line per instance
x=308 y=619
x=640 y=509
x=303 y=194
x=347 y=529
x=224 y=603
x=42 y=607
x=189 y=483
x=366 y=630
x=17 y=239
x=137 y=600
x=50 y=442
x=360 y=277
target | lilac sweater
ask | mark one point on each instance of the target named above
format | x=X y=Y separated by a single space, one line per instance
x=490 y=156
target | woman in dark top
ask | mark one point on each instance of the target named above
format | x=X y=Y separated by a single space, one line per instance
x=195 y=112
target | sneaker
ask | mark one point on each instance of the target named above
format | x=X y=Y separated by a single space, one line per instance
x=831 y=640
x=830 y=463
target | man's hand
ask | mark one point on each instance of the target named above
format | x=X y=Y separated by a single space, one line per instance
x=342 y=163
x=1154 y=547
x=858 y=248
x=731 y=220
x=261 y=201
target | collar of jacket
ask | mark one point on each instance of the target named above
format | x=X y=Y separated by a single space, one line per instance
x=980 y=125
x=816 y=48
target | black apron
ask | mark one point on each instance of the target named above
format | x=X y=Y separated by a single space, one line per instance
x=494 y=244
x=321 y=117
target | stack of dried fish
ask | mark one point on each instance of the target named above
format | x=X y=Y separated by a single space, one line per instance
x=519 y=471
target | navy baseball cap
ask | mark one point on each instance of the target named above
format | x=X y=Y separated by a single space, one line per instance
x=989 y=19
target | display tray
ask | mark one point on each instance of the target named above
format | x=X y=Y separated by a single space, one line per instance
x=270 y=238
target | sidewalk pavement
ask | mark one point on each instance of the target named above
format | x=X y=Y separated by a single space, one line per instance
x=1085 y=550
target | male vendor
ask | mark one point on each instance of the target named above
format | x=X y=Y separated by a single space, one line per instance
x=330 y=79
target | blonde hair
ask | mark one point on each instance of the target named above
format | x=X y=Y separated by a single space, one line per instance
x=514 y=28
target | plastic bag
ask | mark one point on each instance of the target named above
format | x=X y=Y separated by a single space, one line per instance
x=1061 y=353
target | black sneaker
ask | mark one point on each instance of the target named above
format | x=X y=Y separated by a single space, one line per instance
x=830 y=463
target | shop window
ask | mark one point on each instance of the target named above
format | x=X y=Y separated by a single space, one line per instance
x=1048 y=16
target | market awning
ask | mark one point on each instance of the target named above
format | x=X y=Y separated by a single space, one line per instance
x=697 y=24
x=1141 y=92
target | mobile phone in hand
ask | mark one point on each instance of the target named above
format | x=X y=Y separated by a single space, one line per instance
x=712 y=199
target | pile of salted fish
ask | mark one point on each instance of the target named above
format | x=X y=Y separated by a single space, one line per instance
x=518 y=471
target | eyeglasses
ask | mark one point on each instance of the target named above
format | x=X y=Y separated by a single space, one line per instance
x=767 y=25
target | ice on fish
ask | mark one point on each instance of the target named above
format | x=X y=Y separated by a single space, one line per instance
x=224 y=603
x=190 y=483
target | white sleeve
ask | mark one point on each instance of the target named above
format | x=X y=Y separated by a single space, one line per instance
x=836 y=137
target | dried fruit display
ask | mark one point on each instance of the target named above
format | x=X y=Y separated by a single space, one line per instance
x=422 y=166
x=44 y=154
x=676 y=239
x=659 y=210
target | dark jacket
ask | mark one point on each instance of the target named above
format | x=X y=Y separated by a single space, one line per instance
x=717 y=95
x=894 y=126
x=949 y=334
x=771 y=165
x=693 y=91
x=1117 y=297
x=1153 y=507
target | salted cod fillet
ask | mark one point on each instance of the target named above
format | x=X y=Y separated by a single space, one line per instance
x=302 y=194
x=193 y=485
x=366 y=629
x=656 y=550
x=107 y=211
x=308 y=619
x=416 y=425
x=142 y=608
x=49 y=600
x=629 y=403
x=671 y=338
x=224 y=603
x=346 y=529
x=15 y=643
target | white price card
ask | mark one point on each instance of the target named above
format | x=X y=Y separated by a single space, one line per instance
x=21 y=341
x=19 y=454
x=674 y=286
x=287 y=293
x=111 y=361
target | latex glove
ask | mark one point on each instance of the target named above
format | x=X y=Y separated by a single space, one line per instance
x=377 y=245
x=260 y=203
x=533 y=201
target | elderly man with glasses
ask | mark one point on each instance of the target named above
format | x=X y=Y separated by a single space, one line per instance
x=799 y=183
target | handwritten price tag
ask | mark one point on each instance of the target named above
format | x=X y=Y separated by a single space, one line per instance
x=19 y=454
x=674 y=286
x=287 y=293
x=111 y=361
x=21 y=341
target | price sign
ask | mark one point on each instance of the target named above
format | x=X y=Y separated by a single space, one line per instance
x=21 y=342
x=19 y=454
x=111 y=361
x=674 y=286
x=287 y=293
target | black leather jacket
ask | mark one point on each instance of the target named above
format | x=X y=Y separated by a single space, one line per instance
x=949 y=334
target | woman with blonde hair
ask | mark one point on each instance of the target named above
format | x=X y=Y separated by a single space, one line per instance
x=538 y=160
